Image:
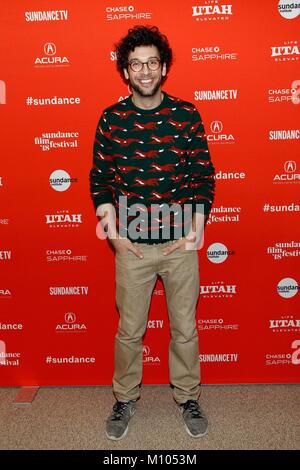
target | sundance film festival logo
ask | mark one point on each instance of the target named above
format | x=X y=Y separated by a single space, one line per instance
x=218 y=136
x=287 y=288
x=289 y=51
x=290 y=175
x=285 y=324
x=289 y=9
x=9 y=359
x=212 y=10
x=212 y=53
x=125 y=12
x=63 y=219
x=57 y=140
x=51 y=59
x=283 y=250
x=223 y=214
x=60 y=180
x=70 y=325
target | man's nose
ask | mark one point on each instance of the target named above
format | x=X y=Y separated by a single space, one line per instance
x=145 y=67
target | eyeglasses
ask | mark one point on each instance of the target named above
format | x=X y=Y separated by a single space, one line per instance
x=136 y=65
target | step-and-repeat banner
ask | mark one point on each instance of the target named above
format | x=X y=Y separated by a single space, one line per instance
x=238 y=62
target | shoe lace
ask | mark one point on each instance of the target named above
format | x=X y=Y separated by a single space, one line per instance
x=119 y=409
x=193 y=407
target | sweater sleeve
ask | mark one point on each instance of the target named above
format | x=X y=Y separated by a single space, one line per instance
x=102 y=173
x=201 y=167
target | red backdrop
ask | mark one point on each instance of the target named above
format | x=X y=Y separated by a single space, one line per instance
x=238 y=62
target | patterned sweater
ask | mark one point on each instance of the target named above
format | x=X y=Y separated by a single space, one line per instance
x=153 y=158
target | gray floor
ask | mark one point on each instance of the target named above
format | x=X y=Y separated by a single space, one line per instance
x=241 y=417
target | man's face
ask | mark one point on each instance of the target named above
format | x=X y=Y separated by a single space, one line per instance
x=146 y=82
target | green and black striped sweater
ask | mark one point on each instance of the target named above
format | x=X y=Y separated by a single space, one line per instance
x=154 y=158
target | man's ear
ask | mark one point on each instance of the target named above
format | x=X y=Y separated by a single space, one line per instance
x=126 y=74
x=164 y=70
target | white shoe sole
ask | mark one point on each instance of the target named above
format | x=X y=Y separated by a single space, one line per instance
x=187 y=429
x=113 y=438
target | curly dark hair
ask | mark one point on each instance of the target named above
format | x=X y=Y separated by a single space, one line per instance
x=143 y=36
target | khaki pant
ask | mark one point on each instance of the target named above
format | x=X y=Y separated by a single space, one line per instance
x=135 y=280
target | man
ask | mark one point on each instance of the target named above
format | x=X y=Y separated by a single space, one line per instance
x=150 y=153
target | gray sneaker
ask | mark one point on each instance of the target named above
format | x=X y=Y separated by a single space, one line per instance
x=117 y=422
x=196 y=423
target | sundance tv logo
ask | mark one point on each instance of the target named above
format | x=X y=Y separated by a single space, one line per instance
x=50 y=58
x=212 y=11
x=46 y=15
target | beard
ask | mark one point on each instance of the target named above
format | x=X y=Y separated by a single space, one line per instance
x=144 y=91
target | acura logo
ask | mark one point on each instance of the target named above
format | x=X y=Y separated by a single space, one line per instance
x=70 y=317
x=49 y=48
x=216 y=126
x=290 y=166
x=146 y=350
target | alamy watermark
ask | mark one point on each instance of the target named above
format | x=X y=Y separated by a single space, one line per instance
x=152 y=222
